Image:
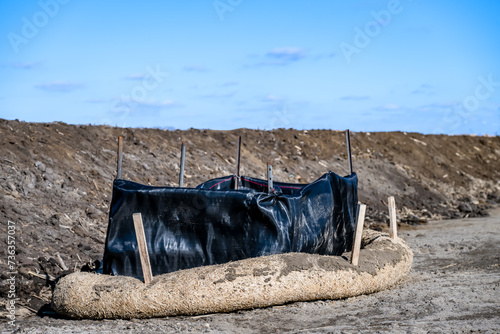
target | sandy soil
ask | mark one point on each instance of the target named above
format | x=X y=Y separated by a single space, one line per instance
x=454 y=287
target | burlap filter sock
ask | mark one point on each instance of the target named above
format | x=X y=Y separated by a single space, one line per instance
x=245 y=284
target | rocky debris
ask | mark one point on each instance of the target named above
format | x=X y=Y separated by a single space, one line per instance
x=470 y=209
x=413 y=219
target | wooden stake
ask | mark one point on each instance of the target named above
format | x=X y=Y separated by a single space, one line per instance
x=393 y=226
x=143 y=248
x=356 y=245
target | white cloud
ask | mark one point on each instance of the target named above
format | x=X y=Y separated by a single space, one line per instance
x=280 y=56
x=438 y=105
x=59 y=86
x=24 y=65
x=97 y=100
x=389 y=107
x=355 y=98
x=273 y=98
x=195 y=68
x=424 y=89
x=156 y=103
x=137 y=76
x=219 y=95
x=146 y=106
x=286 y=54
x=230 y=83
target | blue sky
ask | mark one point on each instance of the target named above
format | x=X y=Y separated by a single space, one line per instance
x=424 y=66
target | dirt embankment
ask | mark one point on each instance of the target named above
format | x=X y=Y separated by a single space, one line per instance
x=56 y=180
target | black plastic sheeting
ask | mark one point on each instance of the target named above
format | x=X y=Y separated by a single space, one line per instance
x=213 y=223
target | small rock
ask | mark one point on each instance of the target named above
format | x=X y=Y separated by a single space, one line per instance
x=12 y=186
x=24 y=272
x=53 y=262
x=54 y=220
x=453 y=214
x=18 y=209
x=426 y=213
x=409 y=190
x=465 y=208
x=22 y=312
x=413 y=219
x=483 y=213
x=80 y=231
x=93 y=212
x=36 y=303
x=41 y=166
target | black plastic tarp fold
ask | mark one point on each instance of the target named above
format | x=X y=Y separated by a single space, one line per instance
x=213 y=223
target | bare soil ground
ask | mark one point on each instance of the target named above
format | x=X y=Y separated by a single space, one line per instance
x=454 y=287
x=56 y=183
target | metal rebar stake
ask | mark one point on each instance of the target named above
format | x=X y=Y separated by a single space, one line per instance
x=238 y=155
x=183 y=158
x=119 y=158
x=348 y=143
x=269 y=178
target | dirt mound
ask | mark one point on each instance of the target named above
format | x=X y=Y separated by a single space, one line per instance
x=56 y=180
